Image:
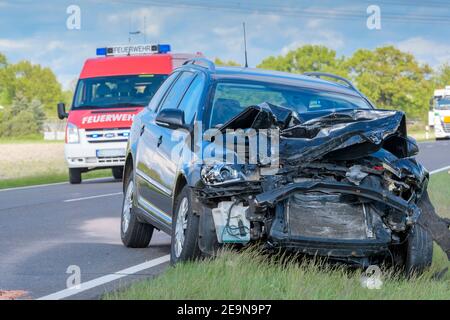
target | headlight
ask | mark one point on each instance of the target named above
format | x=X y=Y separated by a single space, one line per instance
x=72 y=133
x=221 y=173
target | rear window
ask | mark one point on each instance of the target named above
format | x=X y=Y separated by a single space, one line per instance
x=232 y=98
x=116 y=91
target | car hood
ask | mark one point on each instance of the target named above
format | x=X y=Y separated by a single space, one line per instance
x=338 y=135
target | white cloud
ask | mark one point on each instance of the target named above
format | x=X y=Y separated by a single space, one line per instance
x=326 y=38
x=427 y=51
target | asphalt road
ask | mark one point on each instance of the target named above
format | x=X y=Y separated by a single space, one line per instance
x=46 y=229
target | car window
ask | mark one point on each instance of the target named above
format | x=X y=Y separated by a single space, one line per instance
x=153 y=105
x=177 y=91
x=191 y=100
x=232 y=98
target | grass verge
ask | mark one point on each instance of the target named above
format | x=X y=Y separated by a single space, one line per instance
x=249 y=275
x=50 y=178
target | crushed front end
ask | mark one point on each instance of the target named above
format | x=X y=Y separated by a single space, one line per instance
x=345 y=187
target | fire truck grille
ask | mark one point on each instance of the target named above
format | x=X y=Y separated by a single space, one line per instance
x=446 y=127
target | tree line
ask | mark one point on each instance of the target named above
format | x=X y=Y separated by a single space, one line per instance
x=389 y=77
x=28 y=96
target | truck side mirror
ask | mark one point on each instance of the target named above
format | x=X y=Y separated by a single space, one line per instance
x=62 y=114
x=431 y=104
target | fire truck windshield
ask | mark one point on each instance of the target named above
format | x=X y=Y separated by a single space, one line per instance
x=116 y=91
x=443 y=103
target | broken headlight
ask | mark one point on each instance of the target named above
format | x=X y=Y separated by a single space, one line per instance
x=221 y=173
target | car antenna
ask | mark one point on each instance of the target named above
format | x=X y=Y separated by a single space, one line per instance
x=245 y=46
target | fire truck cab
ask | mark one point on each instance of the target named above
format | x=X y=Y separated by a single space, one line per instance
x=439 y=116
x=111 y=90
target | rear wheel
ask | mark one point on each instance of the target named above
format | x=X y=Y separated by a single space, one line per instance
x=134 y=234
x=184 y=244
x=419 y=250
x=74 y=175
x=117 y=173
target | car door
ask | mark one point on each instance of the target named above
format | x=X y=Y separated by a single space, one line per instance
x=156 y=168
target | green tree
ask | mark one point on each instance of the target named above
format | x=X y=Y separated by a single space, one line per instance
x=229 y=63
x=306 y=58
x=392 y=79
x=36 y=82
x=22 y=118
x=442 y=76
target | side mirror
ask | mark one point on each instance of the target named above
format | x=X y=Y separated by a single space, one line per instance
x=62 y=114
x=412 y=148
x=431 y=104
x=171 y=118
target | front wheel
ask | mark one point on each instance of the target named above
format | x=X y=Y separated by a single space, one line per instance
x=184 y=244
x=74 y=176
x=134 y=234
x=419 y=250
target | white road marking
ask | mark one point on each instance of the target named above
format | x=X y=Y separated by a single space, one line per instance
x=53 y=184
x=94 y=197
x=105 y=279
x=440 y=170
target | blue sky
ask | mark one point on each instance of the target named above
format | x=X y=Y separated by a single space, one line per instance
x=36 y=30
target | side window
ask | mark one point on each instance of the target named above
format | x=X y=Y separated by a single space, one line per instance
x=177 y=91
x=192 y=97
x=154 y=103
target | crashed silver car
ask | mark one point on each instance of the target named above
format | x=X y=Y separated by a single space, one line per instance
x=290 y=162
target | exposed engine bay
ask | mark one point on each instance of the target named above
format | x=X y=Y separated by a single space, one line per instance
x=346 y=186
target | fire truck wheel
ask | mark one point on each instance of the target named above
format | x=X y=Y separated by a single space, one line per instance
x=75 y=176
x=117 y=173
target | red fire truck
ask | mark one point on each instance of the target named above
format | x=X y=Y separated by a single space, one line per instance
x=111 y=90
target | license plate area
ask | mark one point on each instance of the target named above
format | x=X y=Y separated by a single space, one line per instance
x=110 y=153
x=326 y=217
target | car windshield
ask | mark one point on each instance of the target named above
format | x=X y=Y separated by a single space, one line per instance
x=231 y=98
x=443 y=103
x=117 y=91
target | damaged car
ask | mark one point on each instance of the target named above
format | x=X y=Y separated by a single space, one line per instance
x=290 y=162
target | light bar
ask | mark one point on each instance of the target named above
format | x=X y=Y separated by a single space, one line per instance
x=135 y=49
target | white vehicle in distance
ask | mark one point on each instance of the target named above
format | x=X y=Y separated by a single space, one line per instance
x=439 y=116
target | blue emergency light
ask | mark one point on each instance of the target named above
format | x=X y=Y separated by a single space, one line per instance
x=163 y=48
x=102 y=51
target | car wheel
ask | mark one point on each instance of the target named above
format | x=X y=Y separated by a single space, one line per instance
x=117 y=173
x=134 y=234
x=184 y=244
x=419 y=251
x=74 y=176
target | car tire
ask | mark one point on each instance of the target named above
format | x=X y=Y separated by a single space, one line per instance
x=74 y=176
x=419 y=251
x=134 y=234
x=117 y=173
x=185 y=224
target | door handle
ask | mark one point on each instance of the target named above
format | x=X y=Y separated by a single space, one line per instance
x=142 y=129
x=159 y=141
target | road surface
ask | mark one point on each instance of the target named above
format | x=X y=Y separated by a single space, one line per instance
x=46 y=229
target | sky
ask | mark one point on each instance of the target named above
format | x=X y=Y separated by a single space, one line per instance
x=37 y=30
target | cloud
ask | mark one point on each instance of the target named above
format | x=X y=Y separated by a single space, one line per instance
x=426 y=51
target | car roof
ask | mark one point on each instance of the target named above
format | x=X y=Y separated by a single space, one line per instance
x=275 y=77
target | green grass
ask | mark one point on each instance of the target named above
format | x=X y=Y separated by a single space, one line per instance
x=250 y=275
x=28 y=139
x=50 y=178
